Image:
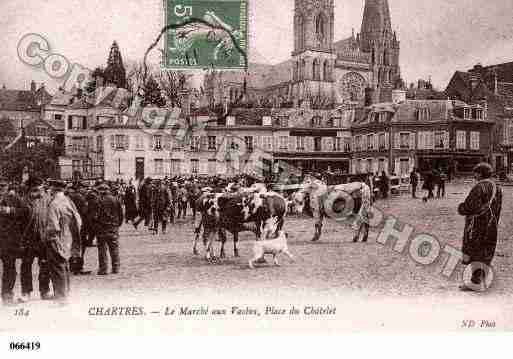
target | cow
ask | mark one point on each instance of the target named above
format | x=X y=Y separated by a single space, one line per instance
x=235 y=212
x=298 y=201
x=346 y=201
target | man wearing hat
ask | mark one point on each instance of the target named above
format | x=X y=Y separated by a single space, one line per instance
x=14 y=214
x=482 y=210
x=109 y=218
x=34 y=238
x=63 y=228
x=144 y=203
x=161 y=201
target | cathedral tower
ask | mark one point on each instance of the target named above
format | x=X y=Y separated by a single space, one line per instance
x=314 y=56
x=378 y=39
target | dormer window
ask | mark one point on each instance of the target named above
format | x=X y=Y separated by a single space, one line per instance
x=479 y=114
x=467 y=113
x=423 y=114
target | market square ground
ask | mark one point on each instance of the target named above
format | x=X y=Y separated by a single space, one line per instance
x=162 y=269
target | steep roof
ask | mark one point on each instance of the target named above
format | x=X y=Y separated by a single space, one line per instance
x=251 y=117
x=406 y=112
x=61 y=98
x=29 y=129
x=18 y=100
x=504 y=71
x=80 y=104
x=439 y=110
x=505 y=91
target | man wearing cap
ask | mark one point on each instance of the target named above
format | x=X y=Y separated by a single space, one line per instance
x=34 y=238
x=14 y=215
x=63 y=229
x=109 y=219
x=482 y=210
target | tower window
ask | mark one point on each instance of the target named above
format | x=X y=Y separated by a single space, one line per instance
x=316 y=70
x=320 y=28
x=326 y=71
x=301 y=33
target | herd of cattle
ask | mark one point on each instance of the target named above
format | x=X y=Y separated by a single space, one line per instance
x=251 y=209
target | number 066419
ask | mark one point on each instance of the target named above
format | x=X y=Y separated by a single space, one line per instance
x=29 y=346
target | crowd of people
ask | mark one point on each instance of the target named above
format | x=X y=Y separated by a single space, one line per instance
x=432 y=181
x=55 y=222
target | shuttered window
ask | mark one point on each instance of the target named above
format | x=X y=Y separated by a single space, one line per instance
x=475 y=138
x=461 y=140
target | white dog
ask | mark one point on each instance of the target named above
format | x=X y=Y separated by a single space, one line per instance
x=270 y=246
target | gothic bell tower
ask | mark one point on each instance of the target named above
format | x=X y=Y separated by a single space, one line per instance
x=314 y=57
x=379 y=40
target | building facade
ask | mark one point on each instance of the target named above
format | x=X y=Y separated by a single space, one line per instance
x=423 y=134
x=492 y=85
x=22 y=107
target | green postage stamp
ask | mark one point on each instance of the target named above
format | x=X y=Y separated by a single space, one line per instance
x=206 y=33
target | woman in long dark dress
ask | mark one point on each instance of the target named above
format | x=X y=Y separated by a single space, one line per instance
x=130 y=203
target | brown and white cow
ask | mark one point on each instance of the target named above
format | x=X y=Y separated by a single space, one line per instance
x=235 y=213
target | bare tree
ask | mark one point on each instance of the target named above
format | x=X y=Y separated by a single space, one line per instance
x=135 y=77
x=172 y=83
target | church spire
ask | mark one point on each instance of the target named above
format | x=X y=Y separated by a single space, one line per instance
x=376 y=22
x=115 y=73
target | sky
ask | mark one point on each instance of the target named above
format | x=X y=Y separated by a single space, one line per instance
x=437 y=37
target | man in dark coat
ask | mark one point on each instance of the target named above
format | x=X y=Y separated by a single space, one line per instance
x=76 y=264
x=193 y=192
x=160 y=206
x=144 y=203
x=385 y=185
x=429 y=184
x=442 y=178
x=89 y=220
x=14 y=215
x=414 y=181
x=109 y=218
x=130 y=202
x=482 y=210
x=33 y=241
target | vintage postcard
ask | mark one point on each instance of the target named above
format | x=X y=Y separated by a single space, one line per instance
x=255 y=166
